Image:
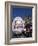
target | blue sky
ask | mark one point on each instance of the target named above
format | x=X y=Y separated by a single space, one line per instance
x=20 y=11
